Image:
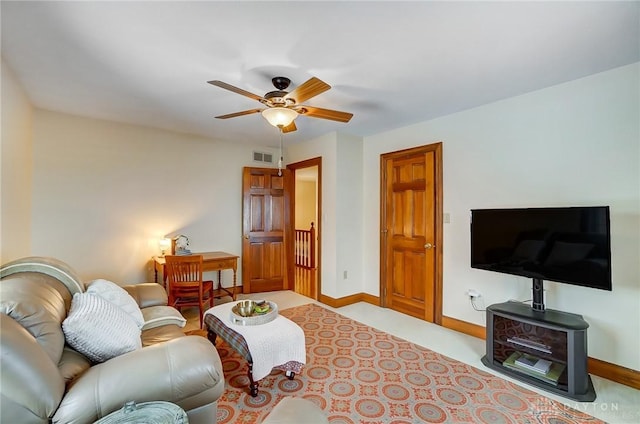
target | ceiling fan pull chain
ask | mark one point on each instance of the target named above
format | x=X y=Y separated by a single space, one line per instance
x=280 y=161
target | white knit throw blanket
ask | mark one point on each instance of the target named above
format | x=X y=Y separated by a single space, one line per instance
x=272 y=344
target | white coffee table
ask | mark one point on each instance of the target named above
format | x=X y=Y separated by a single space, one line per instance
x=278 y=344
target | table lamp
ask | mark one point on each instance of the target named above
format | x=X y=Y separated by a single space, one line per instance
x=165 y=244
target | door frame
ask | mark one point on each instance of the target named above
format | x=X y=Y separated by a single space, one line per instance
x=308 y=163
x=438 y=207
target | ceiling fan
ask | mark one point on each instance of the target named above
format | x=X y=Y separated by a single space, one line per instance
x=283 y=107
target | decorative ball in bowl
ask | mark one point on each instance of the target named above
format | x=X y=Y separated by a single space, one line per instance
x=245 y=307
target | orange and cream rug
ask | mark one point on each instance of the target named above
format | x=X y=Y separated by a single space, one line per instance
x=358 y=374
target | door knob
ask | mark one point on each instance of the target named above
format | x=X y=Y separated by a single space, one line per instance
x=429 y=246
x=246 y=236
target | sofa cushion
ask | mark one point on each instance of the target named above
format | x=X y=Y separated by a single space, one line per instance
x=72 y=364
x=158 y=316
x=186 y=371
x=98 y=329
x=118 y=296
x=147 y=294
x=158 y=335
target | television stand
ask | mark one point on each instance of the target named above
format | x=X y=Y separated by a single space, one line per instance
x=514 y=329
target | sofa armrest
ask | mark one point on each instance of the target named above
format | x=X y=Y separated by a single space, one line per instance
x=148 y=294
x=186 y=371
x=30 y=385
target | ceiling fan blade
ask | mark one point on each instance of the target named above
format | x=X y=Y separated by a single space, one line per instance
x=235 y=89
x=290 y=128
x=244 y=112
x=334 y=115
x=308 y=89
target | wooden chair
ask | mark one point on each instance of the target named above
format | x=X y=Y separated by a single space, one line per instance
x=186 y=288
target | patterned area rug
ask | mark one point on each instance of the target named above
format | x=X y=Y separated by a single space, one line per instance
x=358 y=374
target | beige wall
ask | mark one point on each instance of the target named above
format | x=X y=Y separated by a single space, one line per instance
x=350 y=215
x=577 y=143
x=305 y=204
x=324 y=147
x=341 y=220
x=105 y=193
x=16 y=169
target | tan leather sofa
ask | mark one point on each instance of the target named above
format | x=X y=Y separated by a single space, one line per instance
x=42 y=379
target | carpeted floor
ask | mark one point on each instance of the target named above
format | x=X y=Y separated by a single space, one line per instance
x=358 y=374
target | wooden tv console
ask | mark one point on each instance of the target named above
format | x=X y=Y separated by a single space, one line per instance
x=559 y=337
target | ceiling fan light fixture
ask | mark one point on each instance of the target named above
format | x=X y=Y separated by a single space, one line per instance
x=279 y=116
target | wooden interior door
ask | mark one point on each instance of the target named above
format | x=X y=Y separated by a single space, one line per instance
x=411 y=240
x=266 y=230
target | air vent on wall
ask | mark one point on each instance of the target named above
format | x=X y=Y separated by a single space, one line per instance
x=262 y=157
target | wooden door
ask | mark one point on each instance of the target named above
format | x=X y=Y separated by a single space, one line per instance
x=266 y=223
x=411 y=240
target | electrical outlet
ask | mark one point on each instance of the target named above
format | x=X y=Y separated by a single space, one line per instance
x=344 y=275
x=473 y=293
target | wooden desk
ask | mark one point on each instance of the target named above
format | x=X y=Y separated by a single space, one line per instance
x=211 y=261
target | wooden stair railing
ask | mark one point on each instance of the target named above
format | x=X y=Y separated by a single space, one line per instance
x=305 y=248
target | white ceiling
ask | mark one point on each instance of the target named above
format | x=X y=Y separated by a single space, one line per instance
x=389 y=63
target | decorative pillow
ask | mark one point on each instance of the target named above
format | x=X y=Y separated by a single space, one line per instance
x=118 y=296
x=157 y=316
x=98 y=329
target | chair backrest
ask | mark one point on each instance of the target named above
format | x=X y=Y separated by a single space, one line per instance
x=182 y=270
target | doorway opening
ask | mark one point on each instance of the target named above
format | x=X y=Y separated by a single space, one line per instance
x=306 y=212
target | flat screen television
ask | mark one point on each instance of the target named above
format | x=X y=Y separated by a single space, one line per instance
x=564 y=244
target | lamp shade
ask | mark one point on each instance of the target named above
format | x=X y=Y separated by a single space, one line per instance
x=164 y=243
x=279 y=116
